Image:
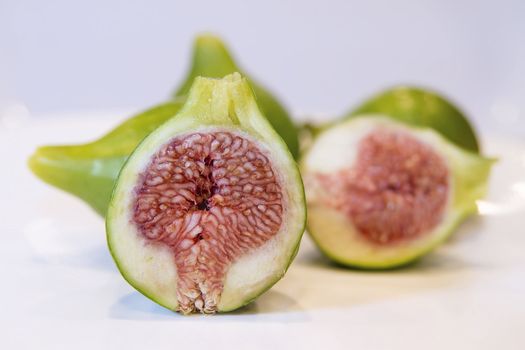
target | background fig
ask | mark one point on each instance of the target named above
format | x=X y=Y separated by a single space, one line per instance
x=89 y=170
x=422 y=107
x=381 y=193
x=209 y=209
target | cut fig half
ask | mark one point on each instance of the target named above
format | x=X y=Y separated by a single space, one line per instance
x=381 y=193
x=208 y=211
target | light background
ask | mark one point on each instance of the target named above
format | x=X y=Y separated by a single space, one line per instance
x=86 y=60
x=320 y=57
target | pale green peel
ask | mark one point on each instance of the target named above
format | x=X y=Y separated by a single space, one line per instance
x=334 y=233
x=212 y=104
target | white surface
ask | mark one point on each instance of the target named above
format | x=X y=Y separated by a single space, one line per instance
x=61 y=290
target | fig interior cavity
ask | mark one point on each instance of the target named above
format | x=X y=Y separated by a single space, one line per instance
x=211 y=197
x=396 y=190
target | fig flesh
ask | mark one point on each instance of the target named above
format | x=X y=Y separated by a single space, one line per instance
x=208 y=211
x=381 y=193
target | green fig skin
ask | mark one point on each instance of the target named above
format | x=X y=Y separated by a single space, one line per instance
x=424 y=108
x=89 y=170
x=212 y=59
x=213 y=104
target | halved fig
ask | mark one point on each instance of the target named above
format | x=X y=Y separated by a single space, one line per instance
x=208 y=211
x=381 y=193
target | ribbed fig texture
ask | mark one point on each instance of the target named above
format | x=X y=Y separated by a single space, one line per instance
x=395 y=191
x=211 y=197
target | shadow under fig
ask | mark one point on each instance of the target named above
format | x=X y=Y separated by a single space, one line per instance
x=271 y=302
x=434 y=261
x=271 y=306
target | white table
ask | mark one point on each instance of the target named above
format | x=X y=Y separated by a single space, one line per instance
x=61 y=290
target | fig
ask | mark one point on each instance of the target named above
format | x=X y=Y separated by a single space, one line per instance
x=381 y=193
x=209 y=209
x=422 y=107
x=212 y=59
x=89 y=170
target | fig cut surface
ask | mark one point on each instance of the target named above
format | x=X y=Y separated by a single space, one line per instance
x=396 y=190
x=209 y=210
x=381 y=193
x=209 y=197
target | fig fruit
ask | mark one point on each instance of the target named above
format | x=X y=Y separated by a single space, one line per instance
x=212 y=59
x=381 y=193
x=425 y=108
x=208 y=211
x=89 y=170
